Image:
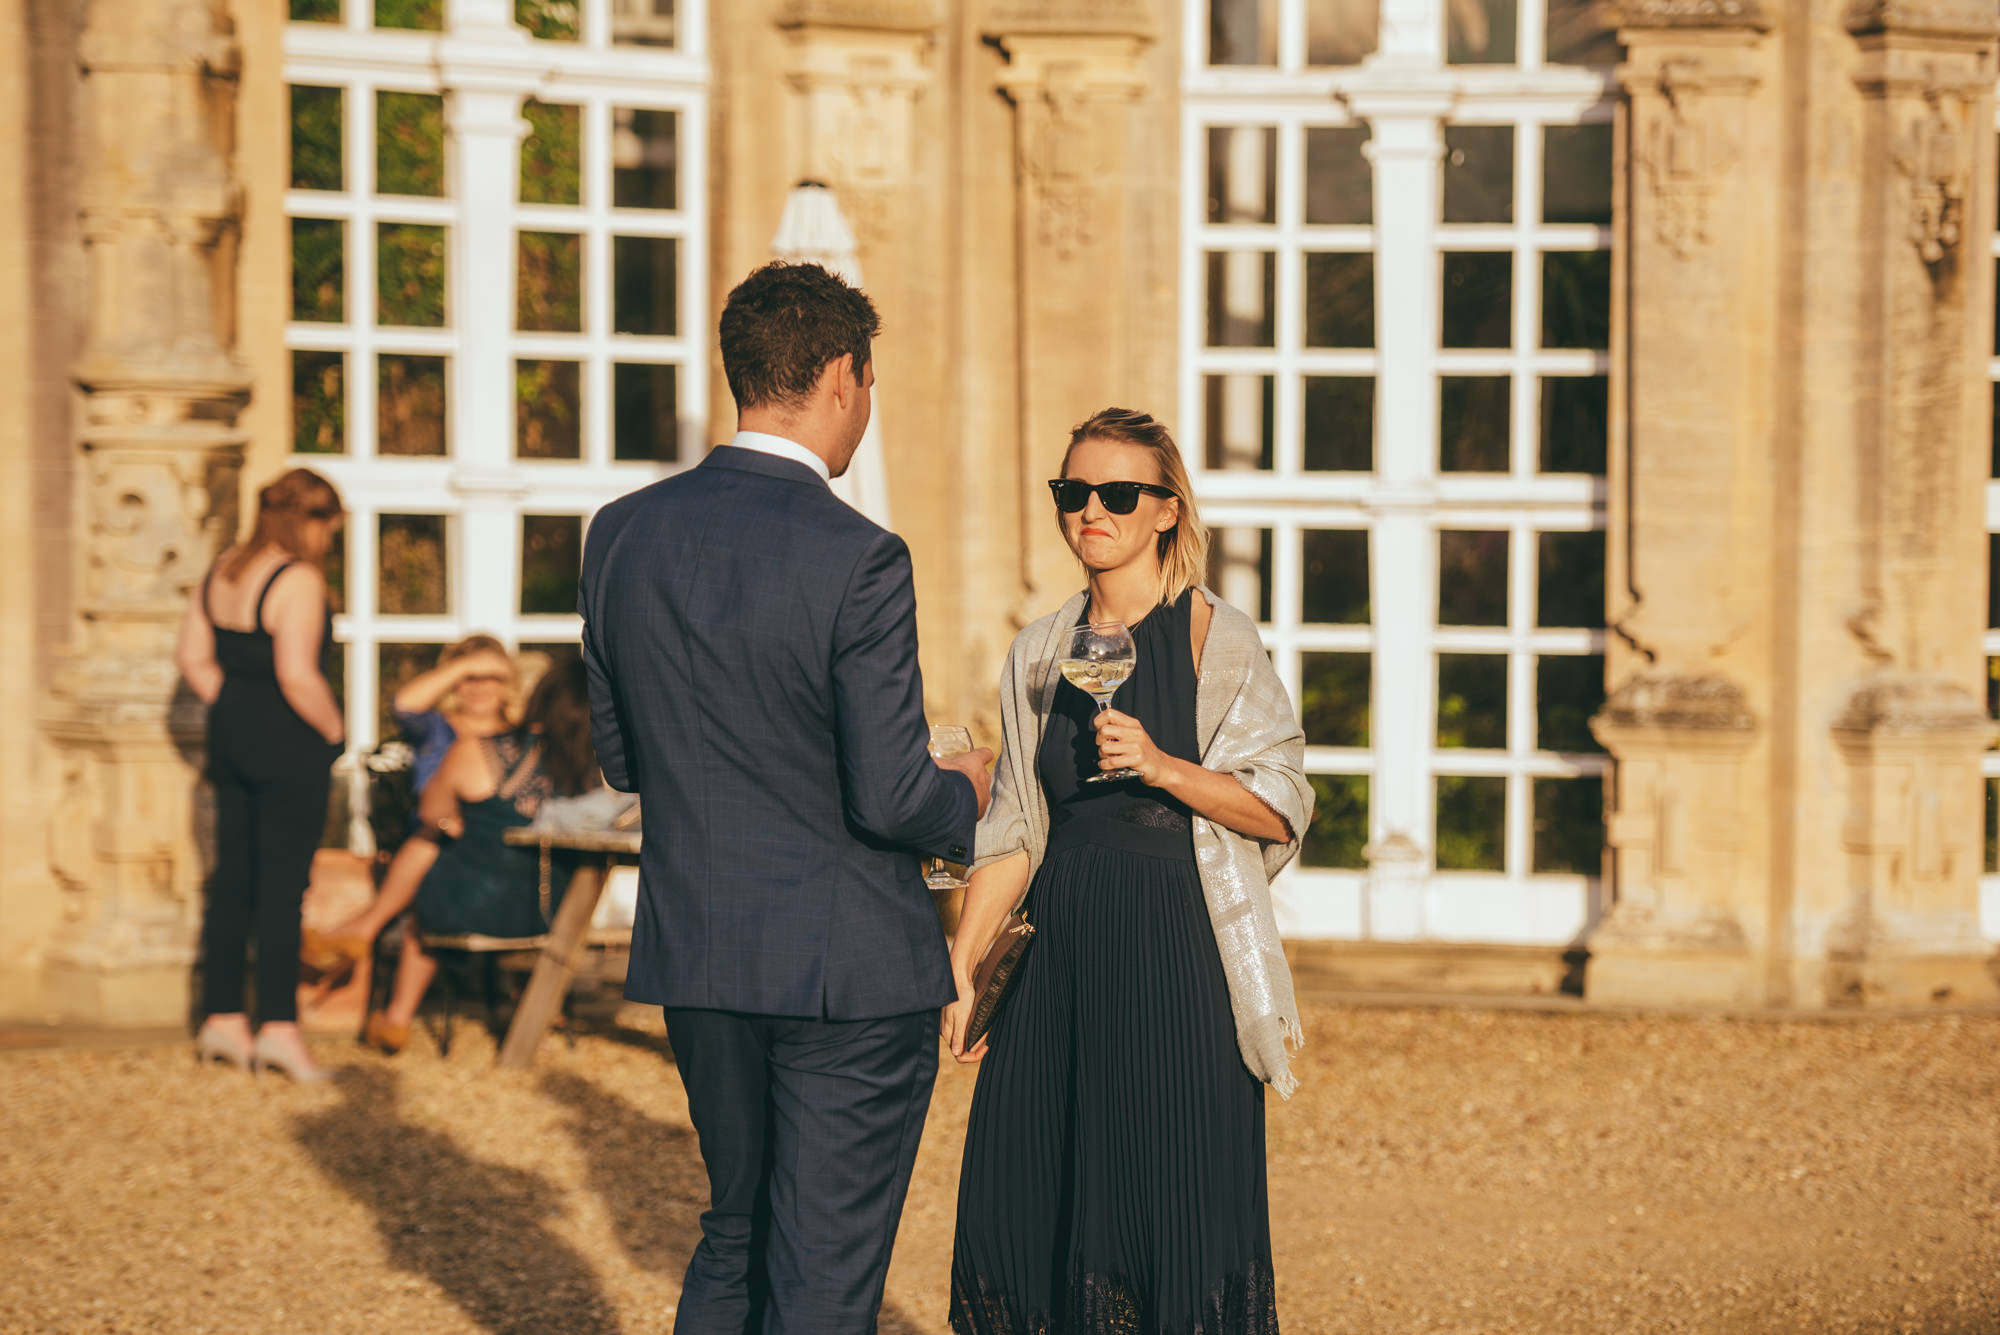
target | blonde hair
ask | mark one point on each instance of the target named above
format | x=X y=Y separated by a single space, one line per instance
x=1183 y=549
x=285 y=506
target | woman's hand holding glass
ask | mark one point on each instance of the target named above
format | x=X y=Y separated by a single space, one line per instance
x=1124 y=745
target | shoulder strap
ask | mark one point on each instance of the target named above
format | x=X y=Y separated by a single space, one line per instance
x=257 y=617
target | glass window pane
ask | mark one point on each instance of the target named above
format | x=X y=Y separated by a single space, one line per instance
x=1237 y=423
x=1993 y=581
x=1992 y=826
x=1340 y=182
x=319 y=403
x=552 y=154
x=410 y=405
x=1239 y=569
x=1569 y=689
x=1338 y=834
x=409 y=278
x=549 y=282
x=551 y=555
x=1340 y=424
x=642 y=22
x=1994 y=471
x=1478 y=300
x=1242 y=304
x=1472 y=577
x=1575 y=424
x=1569 y=826
x=424 y=15
x=409 y=143
x=646 y=418
x=1242 y=174
x=550 y=20
x=1472 y=701
x=317 y=161
x=1333 y=698
x=1576 y=174
x=1569 y=579
x=1583 y=32
x=396 y=665
x=548 y=410
x=1475 y=421
x=1993 y=694
x=1478 y=174
x=1336 y=577
x=1340 y=300
x=645 y=158
x=1341 y=32
x=1576 y=299
x=411 y=566
x=314 y=11
x=1471 y=823
x=335 y=567
x=1243 y=32
x=319 y=269
x=645 y=279
x=1480 y=32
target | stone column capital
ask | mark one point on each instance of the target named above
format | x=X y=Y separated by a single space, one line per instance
x=1642 y=17
x=1952 y=20
x=887 y=16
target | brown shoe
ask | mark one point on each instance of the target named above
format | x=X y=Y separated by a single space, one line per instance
x=385 y=1037
x=326 y=954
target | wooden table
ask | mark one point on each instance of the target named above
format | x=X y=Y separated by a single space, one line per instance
x=562 y=948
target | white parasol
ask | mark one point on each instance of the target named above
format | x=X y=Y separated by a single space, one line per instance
x=813 y=230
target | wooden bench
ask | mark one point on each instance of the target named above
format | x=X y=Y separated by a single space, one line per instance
x=561 y=952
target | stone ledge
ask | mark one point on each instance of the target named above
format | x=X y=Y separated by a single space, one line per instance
x=1322 y=968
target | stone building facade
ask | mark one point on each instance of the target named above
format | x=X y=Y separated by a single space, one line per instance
x=1594 y=402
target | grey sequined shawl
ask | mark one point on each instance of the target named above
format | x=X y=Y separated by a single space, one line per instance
x=1247 y=727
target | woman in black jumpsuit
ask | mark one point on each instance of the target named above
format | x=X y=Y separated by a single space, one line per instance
x=253 y=646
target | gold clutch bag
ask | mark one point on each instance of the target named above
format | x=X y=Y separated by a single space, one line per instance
x=996 y=969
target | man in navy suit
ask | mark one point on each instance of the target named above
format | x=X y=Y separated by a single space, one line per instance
x=752 y=648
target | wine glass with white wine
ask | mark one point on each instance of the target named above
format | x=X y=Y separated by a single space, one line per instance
x=1099 y=658
x=946 y=740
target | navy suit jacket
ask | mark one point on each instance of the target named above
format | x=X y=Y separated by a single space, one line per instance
x=752 y=648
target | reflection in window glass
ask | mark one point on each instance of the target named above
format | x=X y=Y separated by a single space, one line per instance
x=424 y=15
x=1340 y=424
x=409 y=143
x=1478 y=296
x=1569 y=826
x=1569 y=689
x=1243 y=32
x=1239 y=569
x=645 y=423
x=549 y=282
x=1576 y=173
x=1993 y=694
x=319 y=270
x=1471 y=823
x=1569 y=579
x=1994 y=470
x=319 y=402
x=1336 y=577
x=1338 y=834
x=317 y=161
x=1340 y=300
x=1472 y=577
x=1575 y=424
x=645 y=160
x=552 y=154
x=642 y=22
x=314 y=11
x=1993 y=581
x=409 y=274
x=1472 y=701
x=1576 y=299
x=548 y=410
x=1480 y=32
x=411 y=570
x=1992 y=827
x=396 y=666
x=645 y=284
x=1478 y=174
x=1340 y=182
x=1583 y=32
x=550 y=20
x=1333 y=699
x=1475 y=420
x=551 y=555
x=1242 y=303
x=409 y=405
x=1341 y=32
x=1242 y=174
x=1238 y=421
x=335 y=568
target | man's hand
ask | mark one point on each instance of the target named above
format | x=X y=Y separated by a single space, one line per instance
x=973 y=766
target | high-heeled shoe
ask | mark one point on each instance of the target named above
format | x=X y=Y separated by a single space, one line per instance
x=380 y=1034
x=217 y=1045
x=323 y=953
x=267 y=1056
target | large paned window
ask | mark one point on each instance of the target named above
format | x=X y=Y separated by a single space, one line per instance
x=474 y=424
x=1989 y=917
x=1396 y=344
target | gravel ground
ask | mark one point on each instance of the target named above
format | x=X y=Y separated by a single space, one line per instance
x=1441 y=1171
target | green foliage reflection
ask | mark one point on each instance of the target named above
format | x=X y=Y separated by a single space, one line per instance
x=409 y=143
x=550 y=20
x=1569 y=826
x=319 y=403
x=314 y=11
x=318 y=270
x=1471 y=823
x=410 y=274
x=552 y=154
x=1338 y=834
x=549 y=282
x=423 y=15
x=316 y=156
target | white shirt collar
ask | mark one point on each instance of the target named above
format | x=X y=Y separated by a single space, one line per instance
x=764 y=443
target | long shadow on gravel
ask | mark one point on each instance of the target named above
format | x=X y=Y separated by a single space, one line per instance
x=650 y=1176
x=474 y=1229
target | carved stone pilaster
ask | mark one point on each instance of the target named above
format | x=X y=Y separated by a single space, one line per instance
x=161 y=389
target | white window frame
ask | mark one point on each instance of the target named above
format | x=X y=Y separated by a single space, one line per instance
x=1989 y=764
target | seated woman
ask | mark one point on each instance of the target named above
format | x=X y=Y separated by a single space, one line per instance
x=481 y=884
x=470 y=693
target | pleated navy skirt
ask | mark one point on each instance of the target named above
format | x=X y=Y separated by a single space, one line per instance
x=1114 y=1176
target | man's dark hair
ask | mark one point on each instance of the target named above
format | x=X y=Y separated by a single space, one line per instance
x=783 y=324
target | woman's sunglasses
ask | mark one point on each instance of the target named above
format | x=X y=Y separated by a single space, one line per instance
x=1120 y=498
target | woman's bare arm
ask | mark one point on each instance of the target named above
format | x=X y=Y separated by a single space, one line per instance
x=990 y=896
x=295 y=614
x=194 y=653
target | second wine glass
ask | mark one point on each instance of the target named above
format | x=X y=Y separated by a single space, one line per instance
x=1099 y=658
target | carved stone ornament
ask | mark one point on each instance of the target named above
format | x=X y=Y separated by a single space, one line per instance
x=1132 y=18
x=1674 y=700
x=1695 y=14
x=1683 y=156
x=878 y=15
x=1977 y=20
x=1932 y=157
x=1911 y=704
